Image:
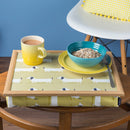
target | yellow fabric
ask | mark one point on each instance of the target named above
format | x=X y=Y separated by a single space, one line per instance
x=71 y=101
x=119 y=9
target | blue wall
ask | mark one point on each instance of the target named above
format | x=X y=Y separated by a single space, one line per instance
x=46 y=18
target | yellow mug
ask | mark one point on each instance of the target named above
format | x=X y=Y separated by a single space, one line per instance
x=33 y=51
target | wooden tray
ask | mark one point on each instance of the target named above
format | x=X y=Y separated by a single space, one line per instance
x=8 y=92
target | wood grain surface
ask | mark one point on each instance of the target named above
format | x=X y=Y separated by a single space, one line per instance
x=79 y=119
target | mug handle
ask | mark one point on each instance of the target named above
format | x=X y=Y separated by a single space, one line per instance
x=43 y=50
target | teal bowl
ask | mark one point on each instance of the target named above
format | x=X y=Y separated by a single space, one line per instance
x=86 y=62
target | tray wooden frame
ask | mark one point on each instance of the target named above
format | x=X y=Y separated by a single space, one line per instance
x=8 y=92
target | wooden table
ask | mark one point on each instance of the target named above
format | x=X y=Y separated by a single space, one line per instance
x=65 y=117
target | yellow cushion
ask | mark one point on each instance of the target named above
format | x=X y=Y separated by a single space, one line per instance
x=119 y=9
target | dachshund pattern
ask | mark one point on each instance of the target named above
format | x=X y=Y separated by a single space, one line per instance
x=50 y=76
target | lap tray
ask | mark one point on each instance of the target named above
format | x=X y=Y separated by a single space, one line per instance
x=50 y=84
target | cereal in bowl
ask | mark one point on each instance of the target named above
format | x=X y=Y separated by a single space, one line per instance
x=86 y=53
